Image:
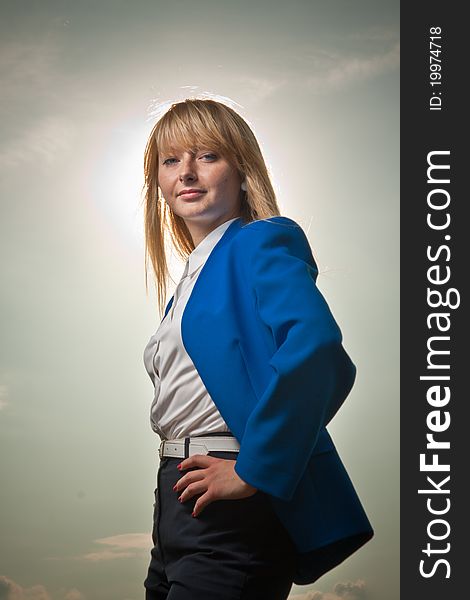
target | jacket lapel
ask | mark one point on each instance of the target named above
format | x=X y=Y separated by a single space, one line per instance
x=231 y=230
x=211 y=330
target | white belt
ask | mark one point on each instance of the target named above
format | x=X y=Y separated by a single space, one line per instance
x=185 y=447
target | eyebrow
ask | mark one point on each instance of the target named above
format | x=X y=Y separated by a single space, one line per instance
x=193 y=151
x=176 y=151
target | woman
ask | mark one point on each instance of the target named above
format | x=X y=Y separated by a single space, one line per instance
x=248 y=368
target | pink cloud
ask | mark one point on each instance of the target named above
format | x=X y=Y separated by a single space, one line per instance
x=10 y=590
x=341 y=591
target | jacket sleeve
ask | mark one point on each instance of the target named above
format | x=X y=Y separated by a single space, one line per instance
x=311 y=372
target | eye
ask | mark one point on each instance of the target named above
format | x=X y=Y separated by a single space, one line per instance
x=167 y=161
x=209 y=156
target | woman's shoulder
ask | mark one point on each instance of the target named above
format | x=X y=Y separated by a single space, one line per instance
x=273 y=233
x=280 y=229
x=267 y=223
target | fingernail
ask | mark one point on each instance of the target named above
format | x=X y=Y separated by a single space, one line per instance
x=179 y=498
x=193 y=513
x=179 y=466
x=174 y=488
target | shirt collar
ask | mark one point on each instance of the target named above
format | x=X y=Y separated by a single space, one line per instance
x=200 y=253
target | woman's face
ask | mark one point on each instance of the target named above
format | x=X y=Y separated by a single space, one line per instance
x=202 y=187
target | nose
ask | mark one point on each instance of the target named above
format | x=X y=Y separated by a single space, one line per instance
x=187 y=169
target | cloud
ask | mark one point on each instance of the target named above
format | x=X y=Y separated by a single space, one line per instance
x=322 y=69
x=351 y=591
x=30 y=91
x=126 y=545
x=105 y=555
x=27 y=67
x=139 y=541
x=10 y=590
x=45 y=142
x=341 y=591
x=339 y=71
x=260 y=88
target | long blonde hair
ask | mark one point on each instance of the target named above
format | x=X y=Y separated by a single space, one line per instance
x=194 y=123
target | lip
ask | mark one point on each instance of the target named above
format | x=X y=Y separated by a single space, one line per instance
x=191 y=192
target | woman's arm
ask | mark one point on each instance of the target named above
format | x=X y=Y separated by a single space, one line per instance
x=311 y=372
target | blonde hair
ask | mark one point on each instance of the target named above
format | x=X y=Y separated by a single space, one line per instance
x=190 y=124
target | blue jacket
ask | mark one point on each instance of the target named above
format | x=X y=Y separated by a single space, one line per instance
x=270 y=355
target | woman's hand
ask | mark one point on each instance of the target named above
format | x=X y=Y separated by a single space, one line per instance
x=216 y=480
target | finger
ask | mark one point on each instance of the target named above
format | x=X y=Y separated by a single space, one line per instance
x=201 y=504
x=187 y=479
x=197 y=460
x=198 y=487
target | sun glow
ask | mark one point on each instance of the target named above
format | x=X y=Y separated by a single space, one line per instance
x=117 y=179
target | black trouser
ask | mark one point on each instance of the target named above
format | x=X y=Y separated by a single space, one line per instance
x=233 y=550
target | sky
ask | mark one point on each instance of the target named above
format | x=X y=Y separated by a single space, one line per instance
x=82 y=84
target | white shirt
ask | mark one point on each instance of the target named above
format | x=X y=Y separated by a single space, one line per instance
x=181 y=405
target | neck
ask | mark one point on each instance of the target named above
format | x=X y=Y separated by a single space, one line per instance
x=200 y=230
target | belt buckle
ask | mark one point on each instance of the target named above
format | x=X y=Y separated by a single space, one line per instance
x=160 y=449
